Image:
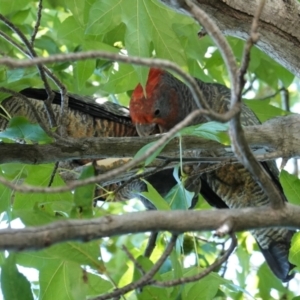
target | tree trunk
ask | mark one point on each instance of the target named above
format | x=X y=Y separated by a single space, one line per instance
x=279 y=25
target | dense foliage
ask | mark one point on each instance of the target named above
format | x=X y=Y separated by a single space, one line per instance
x=75 y=270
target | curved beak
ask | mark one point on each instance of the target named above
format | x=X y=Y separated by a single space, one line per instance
x=145 y=129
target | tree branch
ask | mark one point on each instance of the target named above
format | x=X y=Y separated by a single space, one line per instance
x=145 y=278
x=173 y=221
x=150 y=62
x=217 y=263
x=286 y=142
x=279 y=23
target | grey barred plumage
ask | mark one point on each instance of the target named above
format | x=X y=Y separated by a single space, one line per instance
x=85 y=117
x=237 y=188
x=169 y=101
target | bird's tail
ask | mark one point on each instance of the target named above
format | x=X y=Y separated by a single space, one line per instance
x=275 y=245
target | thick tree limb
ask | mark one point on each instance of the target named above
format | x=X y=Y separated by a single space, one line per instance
x=286 y=142
x=279 y=23
x=174 y=221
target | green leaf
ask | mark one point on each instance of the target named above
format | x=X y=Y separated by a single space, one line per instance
x=82 y=72
x=284 y=75
x=177 y=269
x=6 y=198
x=185 y=31
x=33 y=259
x=294 y=254
x=268 y=281
x=34 y=217
x=145 y=22
x=104 y=15
x=48 y=44
x=15 y=75
x=265 y=72
x=212 y=131
x=20 y=129
x=84 y=195
x=291 y=186
x=135 y=17
x=155 y=198
x=268 y=70
x=121 y=81
x=61 y=280
x=10 y=6
x=2 y=258
x=70 y=31
x=51 y=269
x=206 y=287
x=14 y=285
x=20 y=17
x=77 y=252
x=39 y=176
x=76 y=7
x=244 y=262
x=179 y=197
x=151 y=157
x=263 y=110
x=96 y=285
x=20 y=84
x=148 y=292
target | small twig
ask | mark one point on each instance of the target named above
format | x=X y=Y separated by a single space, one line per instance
x=250 y=87
x=222 y=244
x=150 y=62
x=37 y=23
x=253 y=38
x=63 y=91
x=135 y=262
x=151 y=244
x=204 y=240
x=37 y=117
x=144 y=279
x=35 y=113
x=272 y=95
x=142 y=175
x=42 y=73
x=13 y=42
x=239 y=143
x=53 y=173
x=285 y=100
x=222 y=273
x=217 y=263
x=55 y=79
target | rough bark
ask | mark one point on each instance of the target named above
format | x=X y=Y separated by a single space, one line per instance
x=175 y=221
x=286 y=142
x=279 y=25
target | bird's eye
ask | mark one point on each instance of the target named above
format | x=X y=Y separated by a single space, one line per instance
x=157 y=112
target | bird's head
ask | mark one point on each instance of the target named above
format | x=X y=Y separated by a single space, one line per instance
x=157 y=109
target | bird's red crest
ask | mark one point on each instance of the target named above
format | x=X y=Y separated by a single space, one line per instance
x=140 y=104
x=152 y=81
